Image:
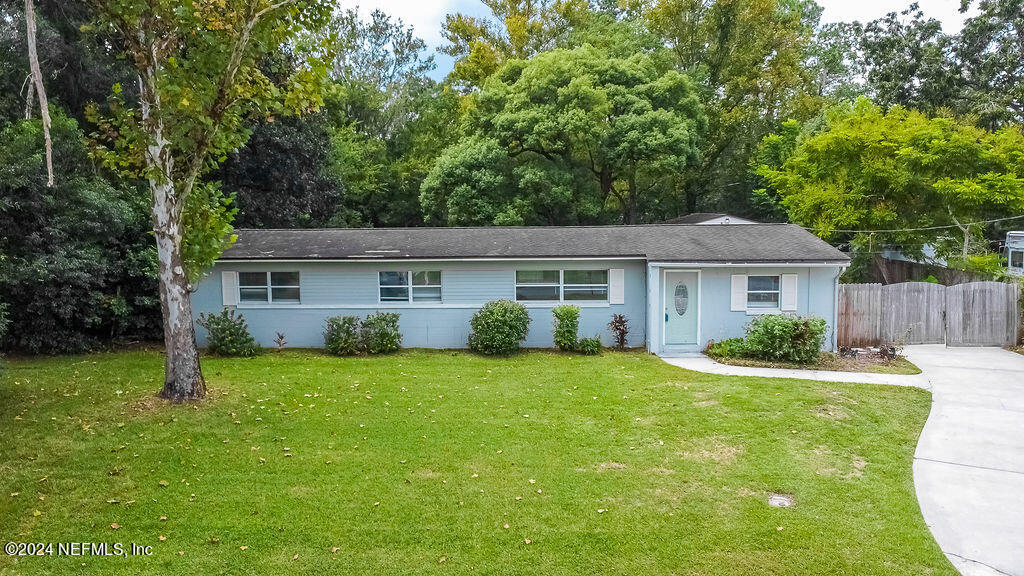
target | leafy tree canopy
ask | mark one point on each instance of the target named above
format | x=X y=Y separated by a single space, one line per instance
x=584 y=133
x=869 y=169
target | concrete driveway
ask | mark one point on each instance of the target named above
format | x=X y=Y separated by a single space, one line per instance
x=969 y=464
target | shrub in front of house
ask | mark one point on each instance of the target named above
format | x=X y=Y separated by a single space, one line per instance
x=341 y=337
x=783 y=337
x=498 y=327
x=228 y=334
x=589 y=346
x=726 y=349
x=379 y=333
x=620 y=330
x=567 y=324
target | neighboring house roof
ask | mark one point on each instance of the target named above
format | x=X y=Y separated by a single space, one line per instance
x=708 y=218
x=753 y=243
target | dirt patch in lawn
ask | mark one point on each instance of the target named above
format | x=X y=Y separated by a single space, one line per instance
x=713 y=449
x=831 y=361
x=832 y=412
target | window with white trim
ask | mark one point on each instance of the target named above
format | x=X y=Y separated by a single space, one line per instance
x=277 y=287
x=407 y=286
x=763 y=292
x=561 y=285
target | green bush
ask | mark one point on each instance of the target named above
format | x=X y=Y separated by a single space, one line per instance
x=379 y=333
x=567 y=324
x=589 y=346
x=228 y=334
x=783 y=337
x=341 y=337
x=725 y=349
x=498 y=327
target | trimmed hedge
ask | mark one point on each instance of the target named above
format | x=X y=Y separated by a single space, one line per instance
x=498 y=327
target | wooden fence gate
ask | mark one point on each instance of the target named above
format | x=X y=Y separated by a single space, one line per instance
x=972 y=314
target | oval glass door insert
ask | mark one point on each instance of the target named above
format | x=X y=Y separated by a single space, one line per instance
x=682 y=299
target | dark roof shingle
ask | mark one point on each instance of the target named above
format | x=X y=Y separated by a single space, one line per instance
x=753 y=243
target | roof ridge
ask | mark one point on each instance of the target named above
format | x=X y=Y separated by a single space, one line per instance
x=576 y=227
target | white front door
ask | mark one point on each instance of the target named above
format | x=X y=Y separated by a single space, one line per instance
x=681 y=308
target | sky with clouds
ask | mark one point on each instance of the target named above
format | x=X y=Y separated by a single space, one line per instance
x=426 y=15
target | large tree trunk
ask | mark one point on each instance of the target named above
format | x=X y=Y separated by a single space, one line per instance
x=183 y=377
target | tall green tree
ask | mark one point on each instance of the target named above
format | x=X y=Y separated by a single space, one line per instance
x=199 y=77
x=870 y=169
x=747 y=57
x=387 y=121
x=584 y=131
x=990 y=52
x=910 y=62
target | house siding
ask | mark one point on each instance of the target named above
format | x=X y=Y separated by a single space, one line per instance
x=351 y=289
x=815 y=296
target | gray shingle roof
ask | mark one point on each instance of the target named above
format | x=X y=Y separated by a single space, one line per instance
x=702 y=217
x=751 y=243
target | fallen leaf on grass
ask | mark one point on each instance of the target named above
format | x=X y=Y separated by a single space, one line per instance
x=114 y=526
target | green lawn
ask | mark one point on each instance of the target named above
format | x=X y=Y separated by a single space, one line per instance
x=445 y=462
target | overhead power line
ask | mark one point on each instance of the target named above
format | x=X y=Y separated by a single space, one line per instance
x=812 y=229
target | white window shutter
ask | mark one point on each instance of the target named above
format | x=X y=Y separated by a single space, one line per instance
x=229 y=288
x=739 y=293
x=616 y=286
x=788 y=298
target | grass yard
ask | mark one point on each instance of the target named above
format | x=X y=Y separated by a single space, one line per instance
x=449 y=463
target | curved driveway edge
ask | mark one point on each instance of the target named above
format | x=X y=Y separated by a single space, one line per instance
x=969 y=462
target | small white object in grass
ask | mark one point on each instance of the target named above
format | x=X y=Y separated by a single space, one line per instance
x=780 y=500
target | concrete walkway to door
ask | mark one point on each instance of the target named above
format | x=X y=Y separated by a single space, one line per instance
x=969 y=464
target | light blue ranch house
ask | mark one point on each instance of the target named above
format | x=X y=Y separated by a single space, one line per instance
x=679 y=285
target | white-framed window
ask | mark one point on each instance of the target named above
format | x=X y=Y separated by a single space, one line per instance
x=589 y=285
x=277 y=287
x=408 y=286
x=561 y=285
x=764 y=292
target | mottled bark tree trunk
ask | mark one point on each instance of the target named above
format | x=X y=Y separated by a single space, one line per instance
x=183 y=377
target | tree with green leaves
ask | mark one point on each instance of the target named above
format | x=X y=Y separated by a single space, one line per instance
x=199 y=76
x=990 y=52
x=583 y=131
x=909 y=62
x=868 y=169
x=387 y=121
x=747 y=57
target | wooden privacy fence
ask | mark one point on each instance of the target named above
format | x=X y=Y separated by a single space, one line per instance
x=972 y=314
